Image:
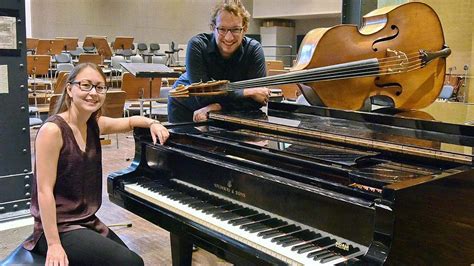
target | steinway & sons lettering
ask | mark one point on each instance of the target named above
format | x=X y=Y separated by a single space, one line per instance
x=230 y=190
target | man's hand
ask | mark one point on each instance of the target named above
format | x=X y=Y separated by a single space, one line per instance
x=56 y=255
x=260 y=95
x=201 y=114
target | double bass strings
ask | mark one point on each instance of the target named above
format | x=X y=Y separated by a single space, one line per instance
x=371 y=67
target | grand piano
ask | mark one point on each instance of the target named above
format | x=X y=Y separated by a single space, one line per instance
x=307 y=185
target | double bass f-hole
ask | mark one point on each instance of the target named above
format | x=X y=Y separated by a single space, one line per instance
x=399 y=63
x=387 y=38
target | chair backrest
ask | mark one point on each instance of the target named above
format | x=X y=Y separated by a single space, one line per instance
x=61 y=82
x=38 y=64
x=63 y=58
x=154 y=47
x=446 y=92
x=289 y=91
x=31 y=43
x=274 y=65
x=158 y=59
x=64 y=67
x=90 y=58
x=142 y=47
x=136 y=59
x=52 y=103
x=137 y=88
x=114 y=104
x=77 y=52
x=116 y=60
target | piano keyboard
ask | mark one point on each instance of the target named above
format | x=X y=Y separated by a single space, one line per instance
x=284 y=239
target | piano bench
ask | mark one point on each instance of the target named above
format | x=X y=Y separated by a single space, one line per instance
x=21 y=256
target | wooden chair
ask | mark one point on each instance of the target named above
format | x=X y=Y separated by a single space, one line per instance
x=274 y=65
x=289 y=91
x=38 y=65
x=90 y=58
x=114 y=105
x=52 y=103
x=138 y=91
x=31 y=44
x=60 y=82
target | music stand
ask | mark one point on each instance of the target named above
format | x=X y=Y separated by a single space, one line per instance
x=123 y=43
x=101 y=45
x=70 y=43
x=49 y=47
x=151 y=71
x=89 y=41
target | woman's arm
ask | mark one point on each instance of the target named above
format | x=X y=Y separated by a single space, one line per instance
x=109 y=125
x=48 y=145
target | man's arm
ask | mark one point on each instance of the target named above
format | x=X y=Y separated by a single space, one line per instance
x=195 y=64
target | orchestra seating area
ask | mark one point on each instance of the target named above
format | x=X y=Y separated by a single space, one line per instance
x=50 y=60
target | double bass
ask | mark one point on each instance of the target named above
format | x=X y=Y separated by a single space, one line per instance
x=398 y=53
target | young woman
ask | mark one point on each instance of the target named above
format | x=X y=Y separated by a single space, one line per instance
x=67 y=189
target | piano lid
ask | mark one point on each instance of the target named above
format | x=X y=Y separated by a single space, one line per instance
x=386 y=129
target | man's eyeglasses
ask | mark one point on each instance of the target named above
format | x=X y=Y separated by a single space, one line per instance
x=234 y=31
x=86 y=85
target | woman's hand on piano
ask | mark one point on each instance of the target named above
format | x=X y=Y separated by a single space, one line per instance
x=200 y=115
x=158 y=132
x=56 y=255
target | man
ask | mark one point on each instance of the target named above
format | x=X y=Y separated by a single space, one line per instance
x=224 y=54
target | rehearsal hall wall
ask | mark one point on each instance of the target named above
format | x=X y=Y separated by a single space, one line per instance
x=148 y=21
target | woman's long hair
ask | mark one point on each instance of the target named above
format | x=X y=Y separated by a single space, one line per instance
x=64 y=102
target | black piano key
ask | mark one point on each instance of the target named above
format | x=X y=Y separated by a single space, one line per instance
x=300 y=237
x=266 y=225
x=189 y=201
x=324 y=242
x=256 y=220
x=246 y=219
x=311 y=238
x=253 y=223
x=286 y=236
x=279 y=231
x=305 y=248
x=318 y=253
x=211 y=210
x=177 y=195
x=351 y=250
x=164 y=191
x=317 y=244
x=232 y=207
x=291 y=242
x=200 y=205
x=245 y=212
x=335 y=257
x=224 y=212
x=325 y=256
x=255 y=227
x=282 y=239
x=226 y=216
x=222 y=208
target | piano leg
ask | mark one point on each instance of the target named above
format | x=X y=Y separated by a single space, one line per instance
x=181 y=250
